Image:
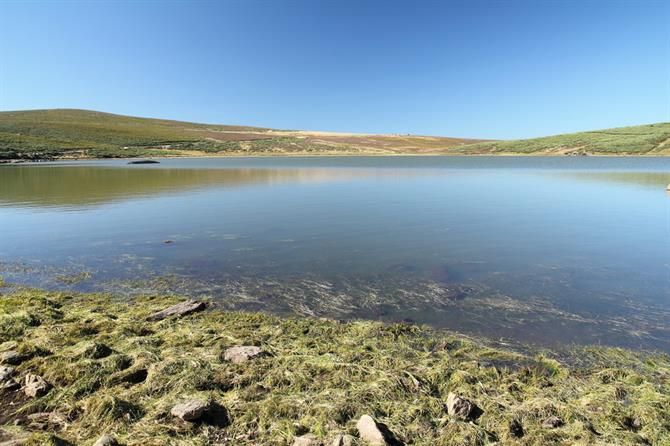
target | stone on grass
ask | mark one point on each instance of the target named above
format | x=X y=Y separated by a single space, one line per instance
x=106 y=440
x=191 y=410
x=35 y=386
x=242 y=353
x=343 y=440
x=181 y=309
x=12 y=357
x=552 y=422
x=461 y=408
x=306 y=440
x=369 y=431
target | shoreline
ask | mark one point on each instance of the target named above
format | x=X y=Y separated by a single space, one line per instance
x=122 y=368
x=337 y=155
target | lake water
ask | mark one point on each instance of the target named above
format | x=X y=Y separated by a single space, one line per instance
x=550 y=251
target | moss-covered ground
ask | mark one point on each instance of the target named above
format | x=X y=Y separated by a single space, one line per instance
x=319 y=377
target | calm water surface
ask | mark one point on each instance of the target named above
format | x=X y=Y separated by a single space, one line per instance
x=543 y=250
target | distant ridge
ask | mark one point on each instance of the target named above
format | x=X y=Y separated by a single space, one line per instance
x=74 y=134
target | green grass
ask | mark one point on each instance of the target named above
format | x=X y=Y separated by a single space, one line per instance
x=320 y=377
x=79 y=133
x=66 y=133
x=638 y=140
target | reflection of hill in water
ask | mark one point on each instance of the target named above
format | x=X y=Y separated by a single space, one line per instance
x=650 y=180
x=77 y=186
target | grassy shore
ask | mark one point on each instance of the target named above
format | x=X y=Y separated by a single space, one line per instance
x=115 y=372
x=80 y=134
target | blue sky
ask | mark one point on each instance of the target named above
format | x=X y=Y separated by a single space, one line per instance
x=496 y=69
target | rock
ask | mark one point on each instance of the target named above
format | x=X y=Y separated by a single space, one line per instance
x=369 y=431
x=242 y=353
x=461 y=408
x=191 y=410
x=6 y=373
x=181 y=309
x=106 y=440
x=35 y=386
x=552 y=422
x=306 y=440
x=343 y=440
x=12 y=357
x=96 y=351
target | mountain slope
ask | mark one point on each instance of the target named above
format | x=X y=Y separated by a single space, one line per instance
x=67 y=133
x=652 y=139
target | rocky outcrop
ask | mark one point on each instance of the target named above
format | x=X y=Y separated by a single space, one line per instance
x=243 y=353
x=462 y=408
x=35 y=386
x=178 y=310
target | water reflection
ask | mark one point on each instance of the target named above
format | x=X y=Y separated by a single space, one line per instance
x=81 y=186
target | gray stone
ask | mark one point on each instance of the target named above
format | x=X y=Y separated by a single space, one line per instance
x=343 y=440
x=370 y=432
x=106 y=440
x=461 y=408
x=179 y=310
x=35 y=386
x=306 y=440
x=243 y=353
x=552 y=422
x=191 y=410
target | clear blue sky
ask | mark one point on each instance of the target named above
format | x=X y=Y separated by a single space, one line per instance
x=496 y=69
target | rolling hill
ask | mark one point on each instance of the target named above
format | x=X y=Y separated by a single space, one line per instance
x=71 y=134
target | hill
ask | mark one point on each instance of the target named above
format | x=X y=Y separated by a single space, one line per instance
x=652 y=139
x=67 y=133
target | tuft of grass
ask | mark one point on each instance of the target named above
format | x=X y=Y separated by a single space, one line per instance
x=319 y=376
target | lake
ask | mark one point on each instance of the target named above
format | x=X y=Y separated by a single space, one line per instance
x=540 y=250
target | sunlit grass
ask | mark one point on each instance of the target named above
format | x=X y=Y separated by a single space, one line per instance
x=320 y=377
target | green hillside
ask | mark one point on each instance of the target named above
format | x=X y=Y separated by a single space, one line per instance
x=67 y=133
x=653 y=139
